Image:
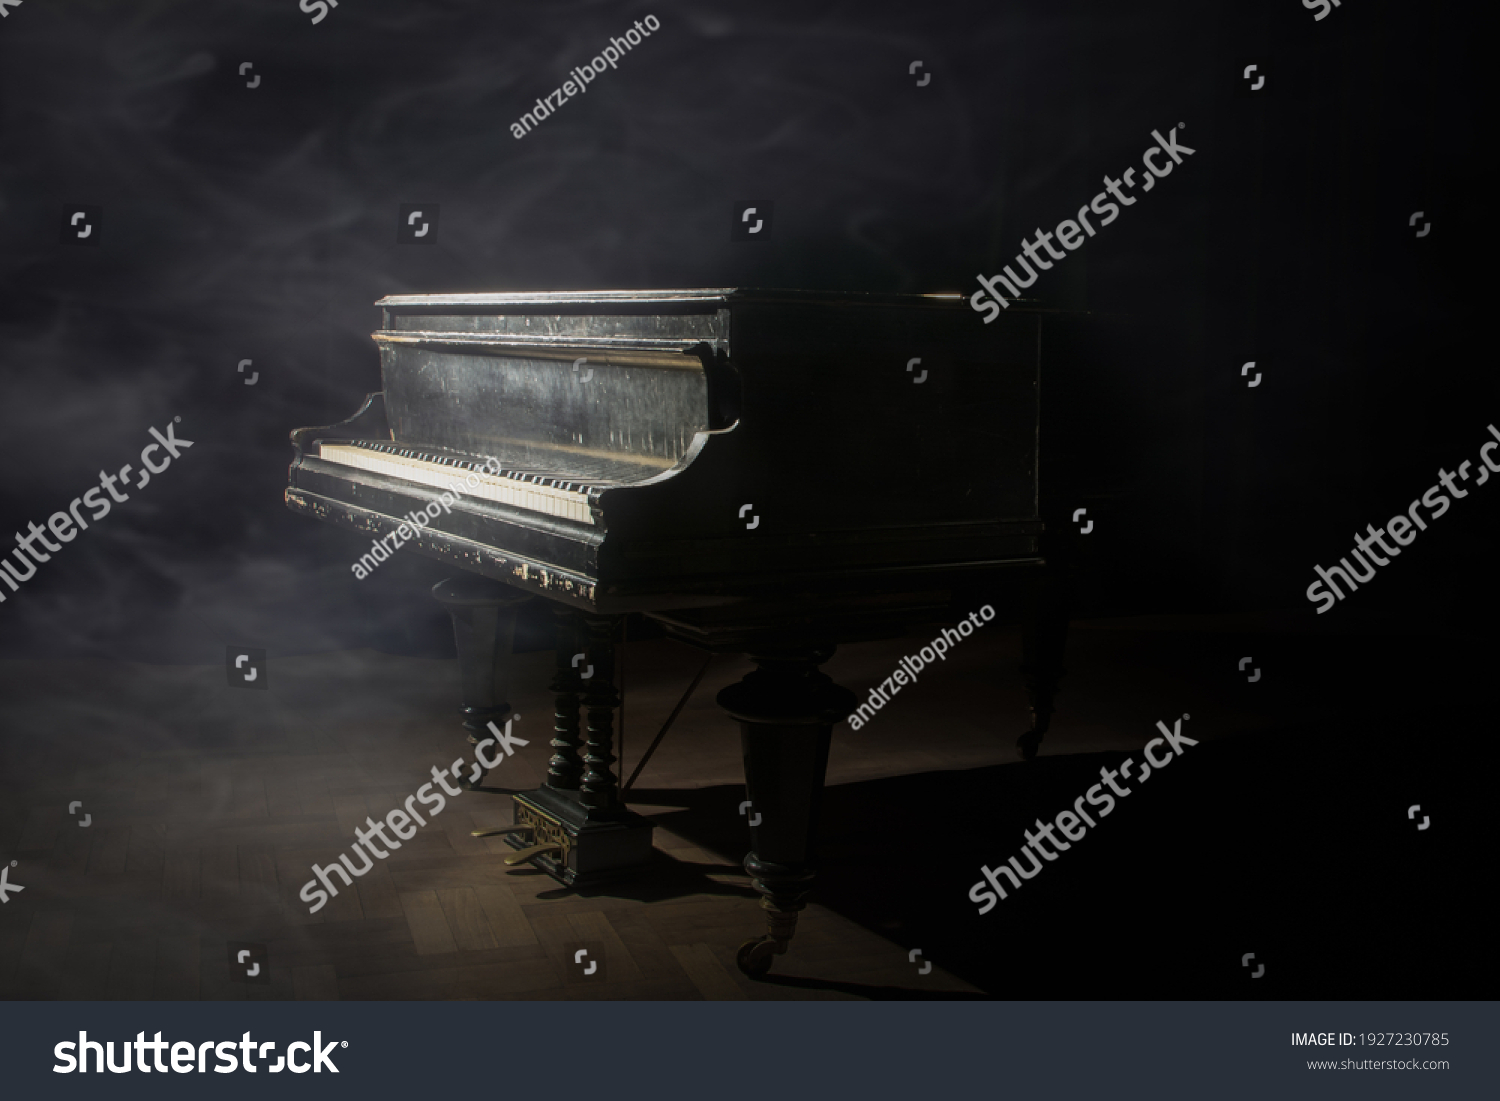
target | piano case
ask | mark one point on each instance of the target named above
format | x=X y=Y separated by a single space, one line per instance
x=678 y=449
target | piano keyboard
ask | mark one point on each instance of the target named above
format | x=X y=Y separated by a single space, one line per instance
x=535 y=490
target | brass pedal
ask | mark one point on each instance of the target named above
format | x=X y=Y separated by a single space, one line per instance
x=498 y=830
x=521 y=856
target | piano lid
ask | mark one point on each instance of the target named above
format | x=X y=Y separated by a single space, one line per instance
x=648 y=328
x=697 y=299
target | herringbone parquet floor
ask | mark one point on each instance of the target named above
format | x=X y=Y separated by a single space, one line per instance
x=208 y=805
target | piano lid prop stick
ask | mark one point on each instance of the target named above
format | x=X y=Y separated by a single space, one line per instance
x=620 y=734
x=707 y=660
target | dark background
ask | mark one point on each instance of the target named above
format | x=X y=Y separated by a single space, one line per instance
x=261 y=223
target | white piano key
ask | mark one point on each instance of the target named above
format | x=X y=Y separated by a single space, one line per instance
x=440 y=472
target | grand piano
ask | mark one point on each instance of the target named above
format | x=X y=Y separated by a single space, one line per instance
x=770 y=473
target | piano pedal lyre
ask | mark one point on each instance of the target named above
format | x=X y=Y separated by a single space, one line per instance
x=522 y=831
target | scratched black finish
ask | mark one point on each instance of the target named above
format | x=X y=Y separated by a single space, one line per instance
x=781 y=439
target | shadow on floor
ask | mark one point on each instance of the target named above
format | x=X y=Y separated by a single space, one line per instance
x=1293 y=843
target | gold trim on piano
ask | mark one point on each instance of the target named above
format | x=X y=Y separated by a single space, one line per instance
x=545 y=830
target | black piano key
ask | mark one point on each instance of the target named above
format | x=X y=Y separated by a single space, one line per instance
x=602 y=474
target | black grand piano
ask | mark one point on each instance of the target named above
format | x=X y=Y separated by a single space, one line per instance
x=760 y=472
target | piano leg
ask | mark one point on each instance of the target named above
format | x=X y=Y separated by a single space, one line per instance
x=574 y=827
x=484 y=619
x=565 y=770
x=1044 y=630
x=600 y=792
x=786 y=709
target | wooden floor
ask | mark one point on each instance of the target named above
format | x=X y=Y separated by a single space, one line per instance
x=208 y=805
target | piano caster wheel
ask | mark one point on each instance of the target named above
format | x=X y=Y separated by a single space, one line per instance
x=754 y=956
x=1027 y=745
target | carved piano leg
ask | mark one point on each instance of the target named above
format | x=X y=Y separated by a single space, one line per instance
x=786 y=709
x=1044 y=630
x=600 y=792
x=574 y=826
x=565 y=770
x=484 y=619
